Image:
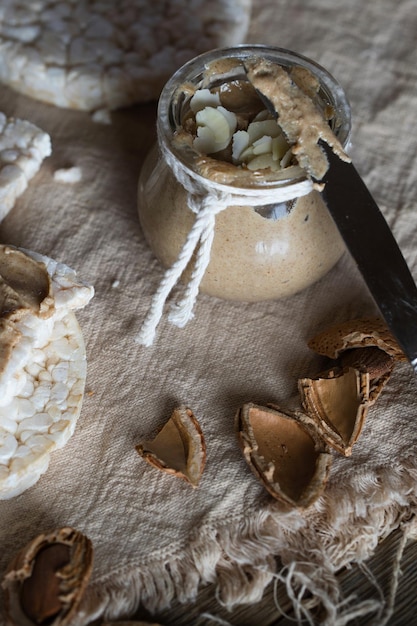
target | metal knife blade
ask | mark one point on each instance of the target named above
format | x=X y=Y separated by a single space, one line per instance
x=373 y=247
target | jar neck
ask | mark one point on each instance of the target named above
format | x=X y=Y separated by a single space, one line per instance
x=209 y=70
x=199 y=187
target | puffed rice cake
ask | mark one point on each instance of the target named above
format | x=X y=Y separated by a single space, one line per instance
x=23 y=147
x=101 y=55
x=42 y=384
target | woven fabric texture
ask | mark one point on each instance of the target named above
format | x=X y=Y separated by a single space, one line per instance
x=156 y=538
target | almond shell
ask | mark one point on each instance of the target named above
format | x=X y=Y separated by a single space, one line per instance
x=46 y=580
x=338 y=402
x=179 y=448
x=357 y=333
x=284 y=452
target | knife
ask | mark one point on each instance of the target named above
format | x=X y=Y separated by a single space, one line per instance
x=374 y=249
x=371 y=243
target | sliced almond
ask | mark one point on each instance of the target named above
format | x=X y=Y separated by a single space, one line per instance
x=262 y=161
x=215 y=127
x=179 y=448
x=45 y=582
x=284 y=452
x=204 y=98
x=240 y=143
x=257 y=130
x=262 y=145
x=338 y=403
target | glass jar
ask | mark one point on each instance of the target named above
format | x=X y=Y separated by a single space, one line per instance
x=261 y=248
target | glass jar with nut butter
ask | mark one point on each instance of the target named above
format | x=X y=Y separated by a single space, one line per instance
x=222 y=151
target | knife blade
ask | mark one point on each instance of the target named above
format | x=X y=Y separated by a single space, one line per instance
x=373 y=247
x=370 y=242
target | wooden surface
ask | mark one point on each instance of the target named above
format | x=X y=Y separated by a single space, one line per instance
x=275 y=609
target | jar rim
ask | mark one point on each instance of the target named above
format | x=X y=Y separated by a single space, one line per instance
x=194 y=70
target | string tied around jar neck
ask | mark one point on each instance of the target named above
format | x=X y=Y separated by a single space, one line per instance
x=205 y=198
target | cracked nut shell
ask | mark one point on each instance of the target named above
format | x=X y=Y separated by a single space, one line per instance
x=46 y=580
x=357 y=333
x=365 y=344
x=284 y=452
x=338 y=402
x=179 y=448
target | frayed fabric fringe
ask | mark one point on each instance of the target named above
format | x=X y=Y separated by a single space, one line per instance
x=339 y=531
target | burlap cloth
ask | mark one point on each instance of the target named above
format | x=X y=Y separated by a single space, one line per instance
x=155 y=538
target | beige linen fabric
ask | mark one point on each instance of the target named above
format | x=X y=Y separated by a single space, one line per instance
x=156 y=538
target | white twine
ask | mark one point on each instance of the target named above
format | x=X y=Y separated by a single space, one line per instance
x=206 y=199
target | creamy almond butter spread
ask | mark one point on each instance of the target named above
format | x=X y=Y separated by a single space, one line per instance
x=300 y=119
x=25 y=287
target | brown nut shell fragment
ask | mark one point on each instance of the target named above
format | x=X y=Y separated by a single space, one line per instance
x=365 y=344
x=370 y=359
x=375 y=361
x=46 y=580
x=179 y=448
x=338 y=403
x=24 y=285
x=284 y=452
x=357 y=333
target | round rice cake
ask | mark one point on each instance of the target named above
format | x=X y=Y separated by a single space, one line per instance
x=23 y=147
x=42 y=384
x=97 y=55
